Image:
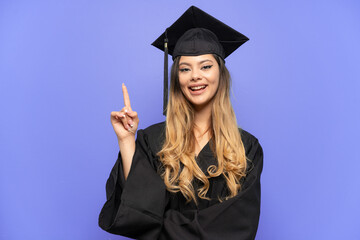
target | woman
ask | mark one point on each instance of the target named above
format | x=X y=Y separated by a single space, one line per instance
x=196 y=176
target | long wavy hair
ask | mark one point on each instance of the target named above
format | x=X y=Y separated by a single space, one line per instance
x=177 y=153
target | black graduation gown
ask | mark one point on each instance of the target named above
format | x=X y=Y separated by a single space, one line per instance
x=142 y=208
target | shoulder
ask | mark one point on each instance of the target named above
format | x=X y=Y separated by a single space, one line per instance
x=253 y=150
x=248 y=139
x=155 y=129
x=154 y=136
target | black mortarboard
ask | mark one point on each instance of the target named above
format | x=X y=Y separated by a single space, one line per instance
x=196 y=33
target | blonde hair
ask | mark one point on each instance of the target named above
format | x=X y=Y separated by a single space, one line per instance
x=177 y=154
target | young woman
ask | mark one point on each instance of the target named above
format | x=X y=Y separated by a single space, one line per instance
x=195 y=176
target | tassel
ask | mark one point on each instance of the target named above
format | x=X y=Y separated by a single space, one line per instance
x=166 y=76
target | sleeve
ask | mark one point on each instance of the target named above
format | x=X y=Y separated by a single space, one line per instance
x=236 y=218
x=135 y=207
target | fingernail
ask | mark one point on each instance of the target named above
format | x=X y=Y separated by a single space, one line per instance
x=123 y=116
x=131 y=125
x=126 y=110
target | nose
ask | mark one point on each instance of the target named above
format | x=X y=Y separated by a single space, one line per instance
x=195 y=75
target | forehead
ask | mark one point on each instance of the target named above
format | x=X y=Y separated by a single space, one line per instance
x=197 y=59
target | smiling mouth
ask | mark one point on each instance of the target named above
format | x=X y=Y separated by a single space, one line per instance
x=197 y=88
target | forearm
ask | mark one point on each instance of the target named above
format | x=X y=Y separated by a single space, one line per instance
x=127 y=150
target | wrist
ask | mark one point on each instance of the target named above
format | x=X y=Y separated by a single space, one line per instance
x=126 y=141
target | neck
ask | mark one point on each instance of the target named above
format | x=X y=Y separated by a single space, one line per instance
x=202 y=118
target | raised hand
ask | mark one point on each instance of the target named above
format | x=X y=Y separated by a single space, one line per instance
x=125 y=122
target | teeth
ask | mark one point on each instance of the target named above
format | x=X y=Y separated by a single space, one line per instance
x=197 y=88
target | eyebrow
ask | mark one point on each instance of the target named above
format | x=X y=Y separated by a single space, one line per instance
x=201 y=62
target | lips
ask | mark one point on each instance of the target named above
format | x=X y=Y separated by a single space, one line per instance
x=197 y=88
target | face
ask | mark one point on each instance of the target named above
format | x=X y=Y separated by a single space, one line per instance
x=199 y=79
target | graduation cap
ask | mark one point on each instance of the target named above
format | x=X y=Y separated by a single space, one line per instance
x=196 y=33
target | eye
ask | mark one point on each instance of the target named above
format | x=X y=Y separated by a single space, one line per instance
x=184 y=69
x=207 y=67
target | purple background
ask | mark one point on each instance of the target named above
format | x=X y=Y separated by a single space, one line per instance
x=295 y=87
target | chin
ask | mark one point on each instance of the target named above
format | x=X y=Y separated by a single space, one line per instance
x=200 y=104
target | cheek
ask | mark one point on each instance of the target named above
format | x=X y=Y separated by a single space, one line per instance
x=215 y=80
x=213 y=76
x=183 y=84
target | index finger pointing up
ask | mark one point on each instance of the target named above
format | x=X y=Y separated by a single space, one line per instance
x=126 y=96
